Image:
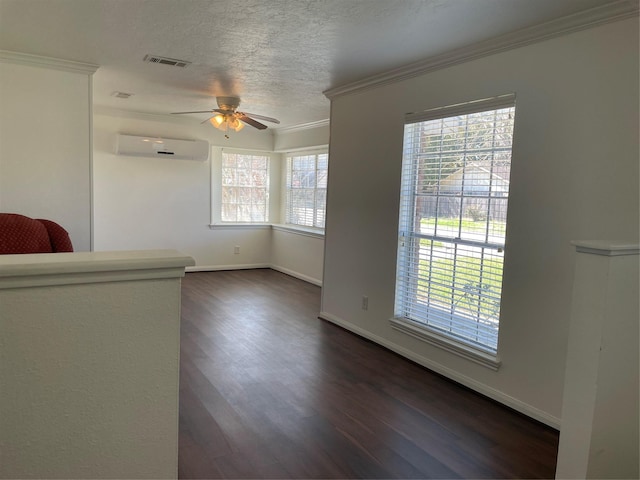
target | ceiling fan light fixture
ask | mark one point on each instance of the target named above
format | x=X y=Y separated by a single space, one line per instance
x=226 y=121
x=236 y=124
x=226 y=117
x=218 y=121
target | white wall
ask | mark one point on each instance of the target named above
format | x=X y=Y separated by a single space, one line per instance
x=574 y=175
x=298 y=254
x=148 y=203
x=45 y=146
x=89 y=364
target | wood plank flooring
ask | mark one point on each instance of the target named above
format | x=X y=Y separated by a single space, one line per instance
x=267 y=390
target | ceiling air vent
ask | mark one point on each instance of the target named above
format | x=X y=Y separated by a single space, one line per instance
x=172 y=62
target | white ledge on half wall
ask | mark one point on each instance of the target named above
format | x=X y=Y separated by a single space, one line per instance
x=38 y=269
x=606 y=247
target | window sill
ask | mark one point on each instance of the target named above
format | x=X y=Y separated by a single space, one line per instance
x=307 y=232
x=427 y=335
x=247 y=226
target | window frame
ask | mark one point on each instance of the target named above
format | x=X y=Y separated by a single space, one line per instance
x=406 y=301
x=287 y=190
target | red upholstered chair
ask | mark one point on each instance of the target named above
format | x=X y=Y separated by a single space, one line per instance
x=20 y=234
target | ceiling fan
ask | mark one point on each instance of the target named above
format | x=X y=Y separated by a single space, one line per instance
x=226 y=116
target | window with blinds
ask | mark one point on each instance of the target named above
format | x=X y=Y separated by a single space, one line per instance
x=245 y=188
x=306 y=190
x=453 y=212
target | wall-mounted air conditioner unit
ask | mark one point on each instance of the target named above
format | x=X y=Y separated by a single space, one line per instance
x=135 y=146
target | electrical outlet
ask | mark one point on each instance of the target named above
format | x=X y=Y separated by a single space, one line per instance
x=365 y=302
x=236 y=249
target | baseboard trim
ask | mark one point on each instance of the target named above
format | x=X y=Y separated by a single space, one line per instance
x=250 y=266
x=492 y=393
x=295 y=274
x=213 y=268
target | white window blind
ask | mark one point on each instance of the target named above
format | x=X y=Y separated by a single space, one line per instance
x=453 y=212
x=245 y=188
x=306 y=189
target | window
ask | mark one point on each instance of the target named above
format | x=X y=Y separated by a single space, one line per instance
x=245 y=188
x=453 y=211
x=306 y=189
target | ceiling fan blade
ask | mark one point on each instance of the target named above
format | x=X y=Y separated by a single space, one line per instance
x=260 y=117
x=205 y=121
x=200 y=111
x=251 y=121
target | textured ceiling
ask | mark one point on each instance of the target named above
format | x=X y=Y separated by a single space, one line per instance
x=277 y=55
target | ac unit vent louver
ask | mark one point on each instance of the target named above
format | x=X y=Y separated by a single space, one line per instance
x=134 y=146
x=173 y=62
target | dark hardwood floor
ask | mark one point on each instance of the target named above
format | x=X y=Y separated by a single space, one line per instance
x=267 y=390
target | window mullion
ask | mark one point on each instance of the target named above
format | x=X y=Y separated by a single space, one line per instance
x=464 y=173
x=314 y=221
x=480 y=283
x=454 y=271
x=491 y=169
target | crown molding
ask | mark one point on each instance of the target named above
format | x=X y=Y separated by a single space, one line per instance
x=48 y=62
x=611 y=12
x=302 y=126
